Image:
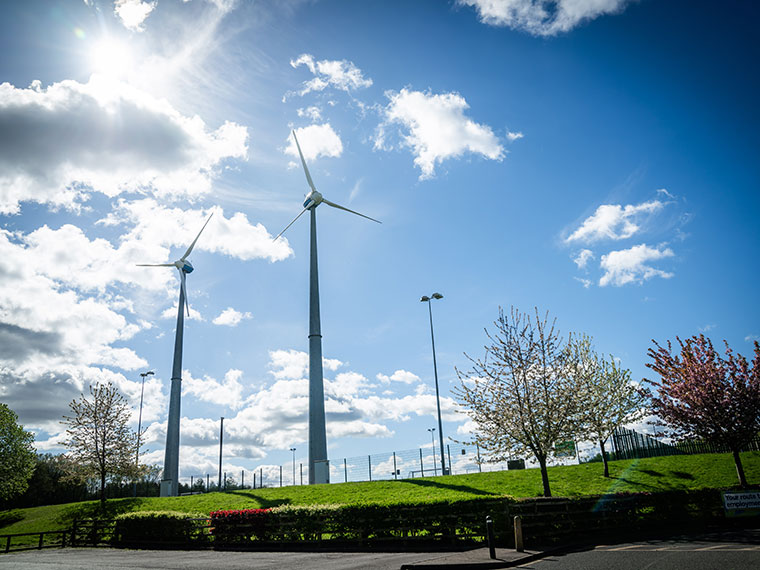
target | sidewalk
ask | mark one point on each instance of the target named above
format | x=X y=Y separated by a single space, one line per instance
x=476 y=559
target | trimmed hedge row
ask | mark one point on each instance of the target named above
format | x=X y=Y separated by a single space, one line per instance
x=160 y=528
x=544 y=521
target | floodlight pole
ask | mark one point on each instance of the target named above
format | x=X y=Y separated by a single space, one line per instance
x=435 y=372
x=319 y=471
x=221 y=442
x=293 y=449
x=139 y=428
x=170 y=481
x=432 y=441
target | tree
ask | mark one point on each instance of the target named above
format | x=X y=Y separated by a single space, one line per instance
x=701 y=394
x=101 y=442
x=17 y=457
x=608 y=397
x=522 y=395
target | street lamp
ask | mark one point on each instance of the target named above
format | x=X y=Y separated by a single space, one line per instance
x=221 y=441
x=139 y=426
x=432 y=440
x=293 y=449
x=427 y=299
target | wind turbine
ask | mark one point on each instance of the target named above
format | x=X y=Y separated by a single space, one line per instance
x=170 y=481
x=319 y=469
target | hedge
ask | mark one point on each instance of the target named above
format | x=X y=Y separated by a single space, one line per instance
x=160 y=527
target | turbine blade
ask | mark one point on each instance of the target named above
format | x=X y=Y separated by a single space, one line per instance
x=305 y=168
x=184 y=291
x=334 y=205
x=290 y=224
x=192 y=245
x=155 y=265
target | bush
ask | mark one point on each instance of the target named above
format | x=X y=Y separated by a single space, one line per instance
x=150 y=527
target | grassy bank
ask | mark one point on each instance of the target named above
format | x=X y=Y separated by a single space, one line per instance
x=650 y=475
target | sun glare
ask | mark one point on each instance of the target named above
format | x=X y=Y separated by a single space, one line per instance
x=111 y=57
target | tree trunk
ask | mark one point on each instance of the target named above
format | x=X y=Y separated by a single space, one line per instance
x=103 y=491
x=544 y=476
x=740 y=469
x=604 y=459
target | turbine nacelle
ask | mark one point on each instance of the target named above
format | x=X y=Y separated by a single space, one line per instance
x=184 y=265
x=312 y=200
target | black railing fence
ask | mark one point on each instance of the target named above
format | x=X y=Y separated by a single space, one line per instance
x=630 y=444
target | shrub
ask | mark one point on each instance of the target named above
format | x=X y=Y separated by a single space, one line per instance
x=159 y=527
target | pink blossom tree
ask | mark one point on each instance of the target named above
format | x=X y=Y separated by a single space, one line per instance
x=704 y=395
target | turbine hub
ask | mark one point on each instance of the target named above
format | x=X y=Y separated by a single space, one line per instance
x=313 y=199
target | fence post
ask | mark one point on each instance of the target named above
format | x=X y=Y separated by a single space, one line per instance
x=489 y=534
x=395 y=470
x=422 y=465
x=518 y=534
x=369 y=466
x=39 y=546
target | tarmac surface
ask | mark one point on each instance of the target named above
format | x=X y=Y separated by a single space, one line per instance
x=118 y=559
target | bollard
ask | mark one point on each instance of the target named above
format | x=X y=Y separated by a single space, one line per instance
x=489 y=533
x=518 y=534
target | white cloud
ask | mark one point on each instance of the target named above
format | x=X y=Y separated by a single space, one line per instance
x=402 y=376
x=133 y=12
x=631 y=265
x=339 y=74
x=160 y=228
x=583 y=257
x=314 y=113
x=543 y=17
x=612 y=221
x=315 y=141
x=706 y=328
x=514 y=136
x=228 y=392
x=171 y=312
x=118 y=138
x=436 y=128
x=294 y=364
x=752 y=338
x=585 y=282
x=231 y=318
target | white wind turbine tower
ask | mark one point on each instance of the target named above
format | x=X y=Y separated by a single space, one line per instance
x=319 y=468
x=170 y=481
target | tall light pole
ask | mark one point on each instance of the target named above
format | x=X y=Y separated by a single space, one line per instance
x=139 y=426
x=221 y=441
x=432 y=440
x=293 y=449
x=427 y=299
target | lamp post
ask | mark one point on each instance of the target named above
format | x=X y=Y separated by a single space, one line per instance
x=139 y=427
x=432 y=441
x=427 y=299
x=221 y=441
x=293 y=449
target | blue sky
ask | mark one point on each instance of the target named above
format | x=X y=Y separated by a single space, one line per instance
x=597 y=160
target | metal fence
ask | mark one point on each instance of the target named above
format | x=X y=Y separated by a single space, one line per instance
x=406 y=464
x=630 y=444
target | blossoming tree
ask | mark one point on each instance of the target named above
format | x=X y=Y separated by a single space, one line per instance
x=704 y=395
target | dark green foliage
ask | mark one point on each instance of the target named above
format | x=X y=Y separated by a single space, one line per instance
x=156 y=527
x=16 y=455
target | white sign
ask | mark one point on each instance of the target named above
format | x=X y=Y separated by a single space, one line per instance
x=738 y=504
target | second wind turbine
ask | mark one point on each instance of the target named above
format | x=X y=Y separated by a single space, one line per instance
x=319 y=467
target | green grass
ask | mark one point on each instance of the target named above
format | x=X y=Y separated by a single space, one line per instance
x=652 y=475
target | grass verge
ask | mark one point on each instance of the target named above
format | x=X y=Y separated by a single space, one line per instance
x=642 y=475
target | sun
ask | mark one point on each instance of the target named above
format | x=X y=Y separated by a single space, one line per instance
x=112 y=57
